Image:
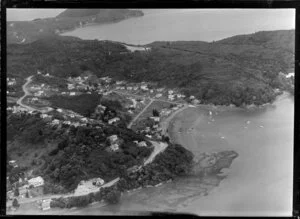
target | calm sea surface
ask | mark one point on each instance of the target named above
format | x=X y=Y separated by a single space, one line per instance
x=189 y=24
x=259 y=181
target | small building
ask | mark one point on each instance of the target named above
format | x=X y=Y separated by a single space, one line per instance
x=72 y=93
x=129 y=88
x=160 y=89
x=114 y=147
x=192 y=97
x=113 y=120
x=113 y=139
x=45 y=204
x=59 y=110
x=142 y=144
x=71 y=86
x=55 y=122
x=135 y=88
x=171 y=97
x=67 y=122
x=155 y=118
x=158 y=95
x=13 y=163
x=98 y=182
x=170 y=92
x=47 y=75
x=36 y=186
x=144 y=87
x=148 y=136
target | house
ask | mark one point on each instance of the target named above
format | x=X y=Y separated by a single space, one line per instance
x=148 y=136
x=113 y=120
x=151 y=91
x=122 y=88
x=59 y=110
x=129 y=88
x=71 y=86
x=170 y=92
x=171 y=97
x=144 y=87
x=98 y=182
x=135 y=88
x=39 y=93
x=160 y=89
x=192 y=97
x=55 y=122
x=47 y=75
x=84 y=119
x=113 y=139
x=119 y=82
x=158 y=95
x=45 y=205
x=72 y=93
x=13 y=163
x=142 y=144
x=155 y=118
x=114 y=147
x=67 y=122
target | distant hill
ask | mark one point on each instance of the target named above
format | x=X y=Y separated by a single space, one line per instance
x=236 y=70
x=28 y=31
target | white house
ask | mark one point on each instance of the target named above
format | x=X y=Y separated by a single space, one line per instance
x=151 y=91
x=170 y=92
x=113 y=120
x=55 y=122
x=155 y=118
x=112 y=139
x=142 y=144
x=71 y=86
x=72 y=93
x=59 y=110
x=84 y=119
x=37 y=181
x=192 y=97
x=148 y=136
x=67 y=122
x=135 y=88
x=158 y=95
x=160 y=89
x=114 y=147
x=171 y=97
x=47 y=75
x=129 y=88
x=43 y=116
x=99 y=181
x=45 y=205
x=144 y=87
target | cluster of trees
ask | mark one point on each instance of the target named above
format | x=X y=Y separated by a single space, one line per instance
x=174 y=161
x=111 y=195
x=82 y=154
x=27 y=128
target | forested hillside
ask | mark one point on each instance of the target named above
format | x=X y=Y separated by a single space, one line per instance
x=229 y=71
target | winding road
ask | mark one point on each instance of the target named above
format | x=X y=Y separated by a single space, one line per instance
x=26 y=93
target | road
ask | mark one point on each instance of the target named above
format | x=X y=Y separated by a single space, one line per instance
x=26 y=93
x=158 y=148
x=140 y=113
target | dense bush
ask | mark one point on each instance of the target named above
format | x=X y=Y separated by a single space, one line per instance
x=83 y=104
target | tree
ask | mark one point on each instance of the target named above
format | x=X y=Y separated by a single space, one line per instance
x=17 y=193
x=27 y=194
x=15 y=203
x=155 y=113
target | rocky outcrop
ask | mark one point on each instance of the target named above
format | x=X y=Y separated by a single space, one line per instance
x=212 y=163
